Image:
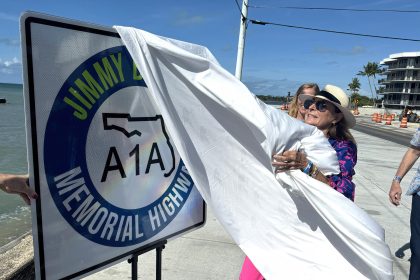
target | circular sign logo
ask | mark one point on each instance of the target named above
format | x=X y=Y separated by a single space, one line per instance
x=110 y=165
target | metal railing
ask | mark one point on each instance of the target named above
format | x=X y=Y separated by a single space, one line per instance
x=398 y=90
x=403 y=66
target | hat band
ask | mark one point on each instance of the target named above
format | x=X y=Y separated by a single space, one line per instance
x=329 y=96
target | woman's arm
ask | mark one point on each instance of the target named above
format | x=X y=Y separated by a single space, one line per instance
x=290 y=160
x=342 y=182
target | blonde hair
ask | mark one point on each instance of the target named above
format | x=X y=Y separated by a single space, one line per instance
x=293 y=107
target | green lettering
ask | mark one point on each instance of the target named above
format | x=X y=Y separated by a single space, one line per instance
x=136 y=73
x=91 y=89
x=87 y=91
x=118 y=64
x=76 y=94
x=107 y=76
x=79 y=112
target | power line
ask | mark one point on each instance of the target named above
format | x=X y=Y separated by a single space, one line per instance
x=332 y=31
x=240 y=10
x=335 y=9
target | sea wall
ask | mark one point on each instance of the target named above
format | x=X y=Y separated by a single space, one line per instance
x=16 y=259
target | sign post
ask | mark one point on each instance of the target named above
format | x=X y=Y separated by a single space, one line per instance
x=111 y=183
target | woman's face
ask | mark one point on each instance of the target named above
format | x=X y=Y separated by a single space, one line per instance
x=301 y=109
x=322 y=114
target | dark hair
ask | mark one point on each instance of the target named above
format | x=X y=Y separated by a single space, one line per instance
x=293 y=107
x=340 y=131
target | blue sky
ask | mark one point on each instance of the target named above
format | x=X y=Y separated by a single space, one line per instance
x=277 y=59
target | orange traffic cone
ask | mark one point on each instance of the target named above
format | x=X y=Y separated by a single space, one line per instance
x=379 y=119
x=403 y=123
x=388 y=120
x=375 y=117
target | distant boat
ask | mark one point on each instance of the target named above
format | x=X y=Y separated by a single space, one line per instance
x=2 y=100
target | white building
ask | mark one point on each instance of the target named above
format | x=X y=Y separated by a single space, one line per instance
x=401 y=87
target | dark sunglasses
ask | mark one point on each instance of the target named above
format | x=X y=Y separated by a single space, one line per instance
x=320 y=105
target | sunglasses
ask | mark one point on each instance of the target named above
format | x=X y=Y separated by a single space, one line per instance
x=320 y=105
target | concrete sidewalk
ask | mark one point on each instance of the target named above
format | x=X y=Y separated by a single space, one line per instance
x=377 y=163
x=209 y=253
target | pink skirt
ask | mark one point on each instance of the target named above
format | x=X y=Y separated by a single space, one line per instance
x=249 y=271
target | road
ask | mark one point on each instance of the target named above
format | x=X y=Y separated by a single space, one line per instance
x=389 y=133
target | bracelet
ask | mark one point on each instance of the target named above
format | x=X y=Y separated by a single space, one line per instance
x=397 y=179
x=314 y=172
x=308 y=168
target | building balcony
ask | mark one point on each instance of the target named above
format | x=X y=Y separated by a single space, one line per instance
x=398 y=66
x=399 y=80
x=398 y=90
x=392 y=102
x=395 y=69
x=402 y=65
x=401 y=103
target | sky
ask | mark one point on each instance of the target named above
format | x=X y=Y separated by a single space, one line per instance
x=276 y=59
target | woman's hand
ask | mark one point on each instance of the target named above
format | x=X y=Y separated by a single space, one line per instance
x=289 y=160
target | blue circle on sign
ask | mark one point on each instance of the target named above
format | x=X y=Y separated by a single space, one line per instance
x=67 y=174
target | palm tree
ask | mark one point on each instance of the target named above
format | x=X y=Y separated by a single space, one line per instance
x=354 y=86
x=370 y=70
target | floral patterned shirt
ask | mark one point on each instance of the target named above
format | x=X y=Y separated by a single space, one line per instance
x=347 y=158
x=415 y=183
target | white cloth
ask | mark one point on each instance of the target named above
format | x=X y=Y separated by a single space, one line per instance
x=290 y=225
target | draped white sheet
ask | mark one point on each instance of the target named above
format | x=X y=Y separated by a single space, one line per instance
x=290 y=225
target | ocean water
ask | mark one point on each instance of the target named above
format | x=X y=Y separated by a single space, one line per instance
x=15 y=218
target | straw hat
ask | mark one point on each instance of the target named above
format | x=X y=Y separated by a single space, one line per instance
x=339 y=98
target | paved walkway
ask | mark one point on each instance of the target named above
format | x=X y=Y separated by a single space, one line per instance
x=377 y=162
x=207 y=253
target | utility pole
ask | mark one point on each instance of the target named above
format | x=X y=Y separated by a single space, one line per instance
x=241 y=43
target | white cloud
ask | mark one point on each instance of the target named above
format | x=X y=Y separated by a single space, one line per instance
x=10 y=66
x=184 y=18
x=9 y=42
x=5 y=16
x=274 y=87
x=355 y=50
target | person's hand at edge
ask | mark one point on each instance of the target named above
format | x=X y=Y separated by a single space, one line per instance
x=395 y=193
x=17 y=184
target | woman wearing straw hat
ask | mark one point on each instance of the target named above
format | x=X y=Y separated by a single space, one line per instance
x=328 y=111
